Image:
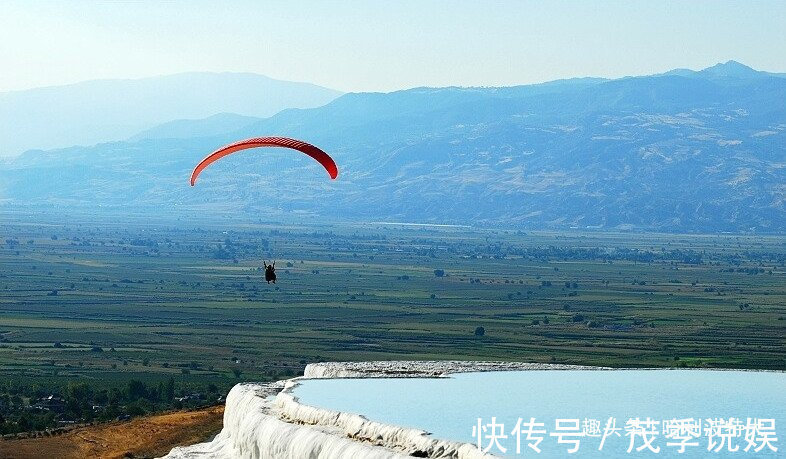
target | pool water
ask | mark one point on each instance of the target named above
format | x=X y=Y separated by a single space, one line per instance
x=449 y=408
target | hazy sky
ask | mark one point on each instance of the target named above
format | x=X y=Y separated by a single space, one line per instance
x=383 y=45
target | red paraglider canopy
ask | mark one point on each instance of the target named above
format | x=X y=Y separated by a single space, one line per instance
x=322 y=158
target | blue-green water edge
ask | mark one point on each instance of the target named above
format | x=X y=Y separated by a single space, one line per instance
x=450 y=407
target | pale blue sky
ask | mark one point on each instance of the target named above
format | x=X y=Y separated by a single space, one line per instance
x=383 y=45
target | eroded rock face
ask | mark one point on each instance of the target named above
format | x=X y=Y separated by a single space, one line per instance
x=267 y=421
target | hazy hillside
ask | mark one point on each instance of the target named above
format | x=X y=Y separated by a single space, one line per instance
x=221 y=123
x=683 y=151
x=104 y=110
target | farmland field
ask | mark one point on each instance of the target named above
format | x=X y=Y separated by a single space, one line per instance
x=153 y=299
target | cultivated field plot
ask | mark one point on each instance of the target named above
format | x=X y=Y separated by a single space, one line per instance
x=154 y=299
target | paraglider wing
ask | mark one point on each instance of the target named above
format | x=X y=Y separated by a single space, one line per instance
x=320 y=156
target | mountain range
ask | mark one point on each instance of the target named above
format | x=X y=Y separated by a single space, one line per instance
x=105 y=110
x=682 y=151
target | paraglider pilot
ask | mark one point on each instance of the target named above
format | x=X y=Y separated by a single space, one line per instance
x=270 y=272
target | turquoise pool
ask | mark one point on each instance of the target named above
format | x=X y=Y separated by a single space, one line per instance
x=584 y=401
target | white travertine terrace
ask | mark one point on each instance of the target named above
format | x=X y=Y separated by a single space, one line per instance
x=422 y=368
x=267 y=421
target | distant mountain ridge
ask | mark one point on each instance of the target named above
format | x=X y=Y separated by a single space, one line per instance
x=697 y=152
x=206 y=127
x=106 y=110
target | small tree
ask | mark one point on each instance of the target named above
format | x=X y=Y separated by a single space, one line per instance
x=480 y=331
x=169 y=389
x=439 y=272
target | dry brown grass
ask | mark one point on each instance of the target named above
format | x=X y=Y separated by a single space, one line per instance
x=149 y=436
